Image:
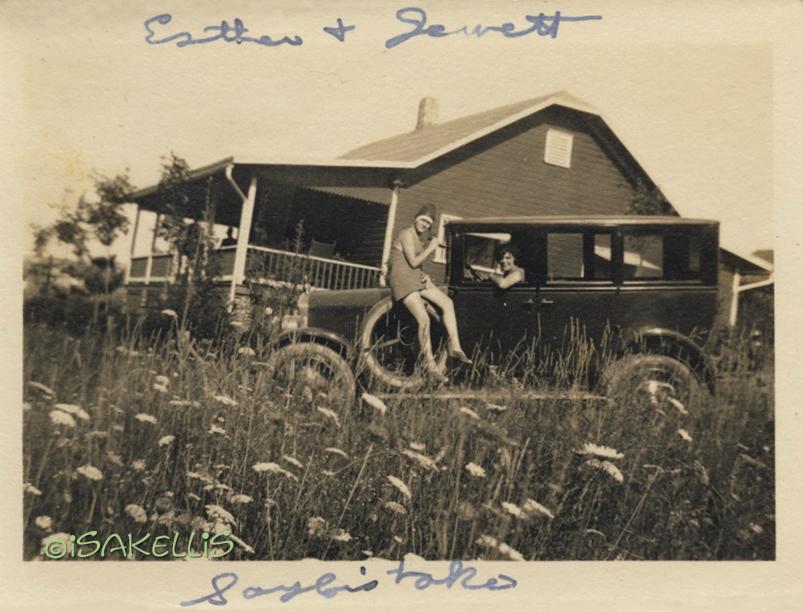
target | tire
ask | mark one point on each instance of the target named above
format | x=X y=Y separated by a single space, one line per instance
x=658 y=380
x=297 y=367
x=389 y=348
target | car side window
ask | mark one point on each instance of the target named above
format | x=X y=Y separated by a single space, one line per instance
x=670 y=256
x=578 y=256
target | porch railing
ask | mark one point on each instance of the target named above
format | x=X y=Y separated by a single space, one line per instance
x=265 y=265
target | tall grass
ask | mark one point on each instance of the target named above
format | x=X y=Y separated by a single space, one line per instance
x=177 y=429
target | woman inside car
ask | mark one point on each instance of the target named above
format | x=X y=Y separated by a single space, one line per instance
x=508 y=274
x=410 y=285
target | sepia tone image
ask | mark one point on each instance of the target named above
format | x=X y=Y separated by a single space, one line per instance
x=311 y=300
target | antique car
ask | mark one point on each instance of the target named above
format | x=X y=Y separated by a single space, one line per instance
x=638 y=294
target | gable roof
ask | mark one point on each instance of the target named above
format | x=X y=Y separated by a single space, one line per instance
x=420 y=146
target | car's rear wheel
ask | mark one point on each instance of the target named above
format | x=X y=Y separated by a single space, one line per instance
x=314 y=372
x=390 y=347
x=652 y=380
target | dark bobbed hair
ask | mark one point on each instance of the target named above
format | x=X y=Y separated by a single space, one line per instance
x=507 y=247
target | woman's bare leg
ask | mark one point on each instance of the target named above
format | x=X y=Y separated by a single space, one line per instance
x=444 y=302
x=415 y=304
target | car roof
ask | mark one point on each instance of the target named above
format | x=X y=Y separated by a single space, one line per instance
x=579 y=220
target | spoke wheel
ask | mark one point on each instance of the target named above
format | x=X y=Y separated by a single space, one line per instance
x=308 y=371
x=390 y=347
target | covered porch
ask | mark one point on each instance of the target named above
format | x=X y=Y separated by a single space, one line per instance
x=320 y=226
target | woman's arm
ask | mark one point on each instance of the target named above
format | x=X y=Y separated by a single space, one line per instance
x=505 y=282
x=408 y=248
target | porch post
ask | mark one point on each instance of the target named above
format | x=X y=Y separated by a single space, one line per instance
x=737 y=278
x=149 y=264
x=133 y=242
x=394 y=201
x=243 y=234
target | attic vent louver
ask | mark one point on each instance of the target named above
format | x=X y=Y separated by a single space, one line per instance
x=558 y=148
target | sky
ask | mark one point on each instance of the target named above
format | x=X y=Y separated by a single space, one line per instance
x=696 y=111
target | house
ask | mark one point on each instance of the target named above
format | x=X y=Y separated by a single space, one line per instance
x=550 y=155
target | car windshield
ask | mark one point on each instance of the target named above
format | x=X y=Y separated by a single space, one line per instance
x=479 y=250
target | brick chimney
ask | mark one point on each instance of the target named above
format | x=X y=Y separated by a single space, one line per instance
x=427 y=113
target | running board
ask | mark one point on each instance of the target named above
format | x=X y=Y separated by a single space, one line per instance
x=575 y=396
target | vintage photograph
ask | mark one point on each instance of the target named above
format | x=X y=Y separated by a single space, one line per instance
x=427 y=283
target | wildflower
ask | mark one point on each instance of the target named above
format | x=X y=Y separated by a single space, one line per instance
x=684 y=434
x=145 y=418
x=341 y=536
x=43 y=389
x=487 y=541
x=44 y=522
x=169 y=312
x=27 y=487
x=317 y=526
x=225 y=400
x=218 y=512
x=465 y=410
x=118 y=427
x=418 y=446
x=57 y=417
x=138 y=465
x=202 y=477
x=402 y=488
x=757 y=529
x=467 y=511
x=90 y=472
x=193 y=497
x=510 y=552
x=293 y=461
x=532 y=507
x=72 y=409
x=329 y=414
x=375 y=403
x=475 y=470
x=606 y=452
x=240 y=498
x=678 y=405
x=422 y=460
x=161 y=379
x=136 y=512
x=166 y=440
x=607 y=467
x=26 y=406
x=160 y=388
x=395 y=507
x=240 y=543
x=273 y=468
x=512 y=509
x=214 y=429
x=336 y=451
x=114 y=458
x=246 y=351
x=181 y=403
x=97 y=434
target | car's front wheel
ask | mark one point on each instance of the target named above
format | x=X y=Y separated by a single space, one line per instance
x=312 y=371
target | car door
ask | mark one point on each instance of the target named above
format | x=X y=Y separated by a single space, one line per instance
x=577 y=294
x=493 y=322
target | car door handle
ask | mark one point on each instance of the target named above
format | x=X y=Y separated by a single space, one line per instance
x=528 y=303
x=546 y=302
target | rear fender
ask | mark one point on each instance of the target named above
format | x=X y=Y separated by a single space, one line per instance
x=672 y=344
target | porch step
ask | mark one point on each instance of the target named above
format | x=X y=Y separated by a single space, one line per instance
x=479 y=394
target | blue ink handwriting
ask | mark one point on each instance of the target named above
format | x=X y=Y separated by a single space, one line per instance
x=459 y=574
x=340 y=31
x=541 y=24
x=225 y=32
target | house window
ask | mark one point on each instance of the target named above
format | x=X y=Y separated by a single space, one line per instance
x=440 y=252
x=558 y=148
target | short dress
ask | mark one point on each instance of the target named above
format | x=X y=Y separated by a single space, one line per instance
x=404 y=279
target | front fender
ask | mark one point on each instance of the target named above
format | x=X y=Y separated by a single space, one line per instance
x=678 y=346
x=316 y=335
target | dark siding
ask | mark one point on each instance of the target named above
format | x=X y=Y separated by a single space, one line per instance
x=505 y=174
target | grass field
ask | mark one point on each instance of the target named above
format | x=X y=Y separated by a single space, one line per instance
x=146 y=435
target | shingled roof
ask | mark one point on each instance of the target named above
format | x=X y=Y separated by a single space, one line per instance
x=432 y=141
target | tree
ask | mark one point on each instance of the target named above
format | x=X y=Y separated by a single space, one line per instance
x=648 y=201
x=100 y=220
